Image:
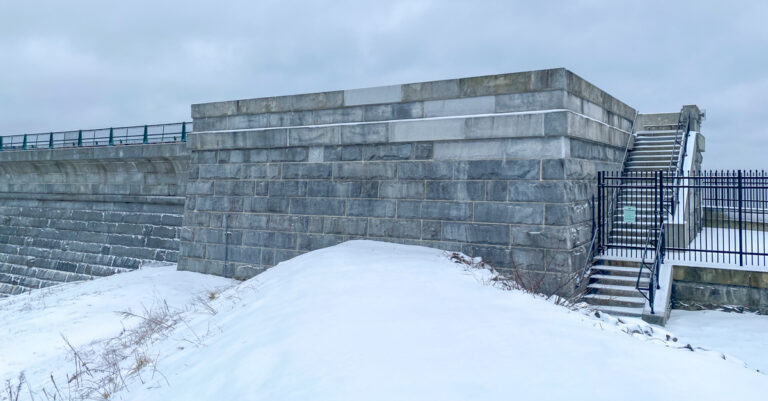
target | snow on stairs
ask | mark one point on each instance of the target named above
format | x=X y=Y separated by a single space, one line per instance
x=656 y=148
x=611 y=287
x=613 y=280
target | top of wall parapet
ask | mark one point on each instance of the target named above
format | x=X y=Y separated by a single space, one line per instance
x=520 y=82
x=155 y=151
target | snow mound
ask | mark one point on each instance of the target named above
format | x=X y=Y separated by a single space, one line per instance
x=377 y=321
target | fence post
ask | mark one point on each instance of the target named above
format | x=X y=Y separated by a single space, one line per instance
x=146 y=137
x=599 y=211
x=741 y=227
x=50 y=141
x=662 y=246
x=24 y=144
x=184 y=133
x=594 y=217
x=80 y=138
x=1 y=143
x=111 y=137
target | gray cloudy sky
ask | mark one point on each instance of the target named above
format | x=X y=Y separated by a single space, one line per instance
x=89 y=64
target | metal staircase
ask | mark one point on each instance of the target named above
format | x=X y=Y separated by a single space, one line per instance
x=624 y=259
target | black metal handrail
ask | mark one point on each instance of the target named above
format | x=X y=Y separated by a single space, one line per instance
x=653 y=266
x=140 y=134
x=594 y=243
x=658 y=242
x=685 y=129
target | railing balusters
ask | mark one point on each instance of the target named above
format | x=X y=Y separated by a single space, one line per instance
x=722 y=216
x=741 y=227
x=163 y=133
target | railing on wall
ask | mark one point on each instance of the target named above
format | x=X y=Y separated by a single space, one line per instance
x=141 y=134
x=713 y=217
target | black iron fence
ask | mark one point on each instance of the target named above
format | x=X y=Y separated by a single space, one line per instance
x=713 y=217
x=142 y=134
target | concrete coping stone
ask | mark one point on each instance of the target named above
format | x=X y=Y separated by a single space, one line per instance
x=154 y=151
x=519 y=82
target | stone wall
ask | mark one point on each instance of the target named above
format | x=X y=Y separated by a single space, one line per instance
x=713 y=288
x=74 y=214
x=500 y=167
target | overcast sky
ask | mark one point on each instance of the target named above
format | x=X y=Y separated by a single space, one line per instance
x=83 y=64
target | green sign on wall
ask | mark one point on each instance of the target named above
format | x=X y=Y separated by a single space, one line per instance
x=630 y=214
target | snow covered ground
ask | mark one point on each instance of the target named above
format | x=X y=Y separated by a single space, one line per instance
x=741 y=335
x=33 y=325
x=364 y=321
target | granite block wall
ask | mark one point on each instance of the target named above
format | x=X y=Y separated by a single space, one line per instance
x=75 y=214
x=500 y=167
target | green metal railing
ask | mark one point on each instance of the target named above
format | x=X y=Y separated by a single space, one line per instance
x=140 y=134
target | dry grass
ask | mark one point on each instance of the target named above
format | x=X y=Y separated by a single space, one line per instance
x=518 y=280
x=101 y=370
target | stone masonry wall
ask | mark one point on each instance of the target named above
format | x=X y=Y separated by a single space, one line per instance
x=500 y=167
x=74 y=214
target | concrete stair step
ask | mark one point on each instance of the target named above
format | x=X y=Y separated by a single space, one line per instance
x=662 y=149
x=659 y=164
x=655 y=145
x=618 y=280
x=615 y=300
x=618 y=270
x=617 y=260
x=642 y=205
x=651 y=152
x=657 y=132
x=661 y=126
x=658 y=142
x=613 y=290
x=621 y=311
x=644 y=191
x=638 y=240
x=644 y=222
x=652 y=134
x=655 y=138
x=651 y=159
x=649 y=169
x=629 y=230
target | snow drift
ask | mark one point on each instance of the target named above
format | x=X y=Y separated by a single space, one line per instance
x=377 y=321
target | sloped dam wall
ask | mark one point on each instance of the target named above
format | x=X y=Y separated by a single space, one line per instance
x=74 y=214
x=499 y=166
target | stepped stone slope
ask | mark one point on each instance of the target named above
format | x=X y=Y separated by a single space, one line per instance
x=75 y=214
x=499 y=166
